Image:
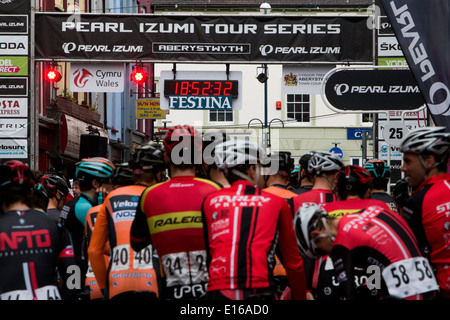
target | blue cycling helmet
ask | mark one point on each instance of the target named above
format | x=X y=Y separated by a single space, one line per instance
x=94 y=168
x=378 y=169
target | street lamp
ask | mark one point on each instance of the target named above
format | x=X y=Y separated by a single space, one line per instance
x=265 y=8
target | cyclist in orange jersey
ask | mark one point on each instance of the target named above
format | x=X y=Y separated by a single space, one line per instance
x=169 y=217
x=130 y=274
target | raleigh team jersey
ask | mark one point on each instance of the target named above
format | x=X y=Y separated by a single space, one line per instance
x=128 y=271
x=243 y=226
x=338 y=209
x=32 y=247
x=381 y=239
x=428 y=214
x=169 y=217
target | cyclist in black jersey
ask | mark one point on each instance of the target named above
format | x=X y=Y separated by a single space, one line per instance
x=33 y=247
x=57 y=191
x=380 y=172
x=211 y=138
x=305 y=177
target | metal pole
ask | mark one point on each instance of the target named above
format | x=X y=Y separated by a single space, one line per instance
x=266 y=143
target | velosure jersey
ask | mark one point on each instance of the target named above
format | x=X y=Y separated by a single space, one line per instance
x=243 y=226
x=169 y=217
x=382 y=241
x=385 y=197
x=32 y=247
x=428 y=214
x=128 y=271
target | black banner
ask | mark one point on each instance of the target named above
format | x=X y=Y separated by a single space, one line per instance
x=373 y=90
x=203 y=38
x=423 y=30
x=15 y=6
x=16 y=87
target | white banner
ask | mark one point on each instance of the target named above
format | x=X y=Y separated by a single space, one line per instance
x=13 y=107
x=14 y=149
x=389 y=47
x=13 y=45
x=13 y=128
x=304 y=80
x=98 y=77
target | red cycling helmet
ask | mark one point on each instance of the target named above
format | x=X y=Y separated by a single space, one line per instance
x=15 y=175
x=191 y=140
x=353 y=179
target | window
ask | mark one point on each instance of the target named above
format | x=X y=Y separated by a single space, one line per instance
x=220 y=115
x=367 y=117
x=298 y=107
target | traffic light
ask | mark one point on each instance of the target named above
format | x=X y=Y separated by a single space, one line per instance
x=139 y=75
x=52 y=75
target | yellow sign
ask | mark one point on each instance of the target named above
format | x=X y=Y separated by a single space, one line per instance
x=149 y=109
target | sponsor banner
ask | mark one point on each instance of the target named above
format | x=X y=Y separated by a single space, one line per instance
x=384 y=149
x=13 y=107
x=100 y=77
x=419 y=116
x=367 y=90
x=389 y=47
x=13 y=23
x=13 y=66
x=393 y=62
x=13 y=87
x=14 y=6
x=149 y=109
x=304 y=80
x=201 y=102
x=384 y=27
x=13 y=128
x=204 y=38
x=421 y=28
x=13 y=45
x=13 y=149
x=356 y=133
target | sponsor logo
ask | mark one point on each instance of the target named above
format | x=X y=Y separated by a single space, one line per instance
x=343 y=88
x=200 y=48
x=25 y=239
x=267 y=49
x=69 y=47
x=81 y=77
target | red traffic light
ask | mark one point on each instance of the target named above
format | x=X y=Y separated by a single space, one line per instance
x=53 y=75
x=139 y=75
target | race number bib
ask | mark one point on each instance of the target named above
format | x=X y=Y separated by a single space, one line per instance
x=121 y=258
x=409 y=277
x=44 y=293
x=182 y=267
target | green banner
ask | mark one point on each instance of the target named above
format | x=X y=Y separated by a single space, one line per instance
x=13 y=66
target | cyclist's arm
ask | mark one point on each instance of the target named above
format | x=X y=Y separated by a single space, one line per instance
x=290 y=255
x=96 y=247
x=66 y=261
x=140 y=233
x=343 y=267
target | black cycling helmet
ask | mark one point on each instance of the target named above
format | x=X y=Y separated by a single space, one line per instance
x=280 y=162
x=378 y=169
x=54 y=183
x=147 y=157
x=401 y=192
x=94 y=168
x=122 y=175
x=353 y=179
x=15 y=176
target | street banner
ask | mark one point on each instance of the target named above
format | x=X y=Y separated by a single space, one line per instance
x=97 y=77
x=304 y=79
x=149 y=108
x=180 y=38
x=422 y=29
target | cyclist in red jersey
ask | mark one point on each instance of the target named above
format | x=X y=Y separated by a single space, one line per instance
x=376 y=240
x=169 y=217
x=130 y=274
x=323 y=166
x=425 y=157
x=243 y=226
x=33 y=247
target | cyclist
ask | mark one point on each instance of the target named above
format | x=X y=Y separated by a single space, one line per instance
x=380 y=172
x=401 y=192
x=243 y=225
x=57 y=190
x=33 y=246
x=278 y=174
x=94 y=174
x=323 y=166
x=376 y=240
x=353 y=185
x=304 y=176
x=210 y=139
x=425 y=157
x=129 y=272
x=169 y=217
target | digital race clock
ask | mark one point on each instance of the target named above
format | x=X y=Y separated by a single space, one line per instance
x=201 y=88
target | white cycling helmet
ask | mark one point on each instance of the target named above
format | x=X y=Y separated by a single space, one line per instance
x=305 y=221
x=322 y=161
x=232 y=153
x=434 y=140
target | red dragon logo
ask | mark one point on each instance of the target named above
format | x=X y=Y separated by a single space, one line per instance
x=81 y=77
